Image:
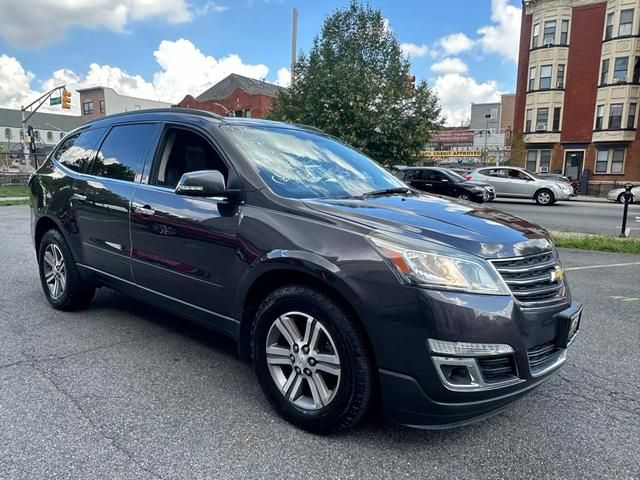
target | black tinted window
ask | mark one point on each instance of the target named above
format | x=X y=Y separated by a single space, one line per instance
x=76 y=151
x=122 y=153
x=436 y=176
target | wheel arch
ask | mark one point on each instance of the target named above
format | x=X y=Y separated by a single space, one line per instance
x=44 y=224
x=276 y=275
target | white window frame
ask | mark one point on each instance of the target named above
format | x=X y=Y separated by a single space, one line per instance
x=610 y=152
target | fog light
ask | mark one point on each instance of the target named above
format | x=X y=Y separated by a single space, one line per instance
x=456 y=375
x=465 y=349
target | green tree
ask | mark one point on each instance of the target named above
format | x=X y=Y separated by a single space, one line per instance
x=355 y=84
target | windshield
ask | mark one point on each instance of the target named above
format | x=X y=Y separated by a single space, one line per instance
x=302 y=164
x=457 y=178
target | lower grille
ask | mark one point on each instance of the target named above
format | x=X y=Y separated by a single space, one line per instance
x=534 y=280
x=497 y=369
x=543 y=355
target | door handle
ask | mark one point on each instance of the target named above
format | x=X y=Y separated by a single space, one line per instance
x=79 y=196
x=146 y=210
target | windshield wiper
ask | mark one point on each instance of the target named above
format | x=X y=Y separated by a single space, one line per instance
x=387 y=191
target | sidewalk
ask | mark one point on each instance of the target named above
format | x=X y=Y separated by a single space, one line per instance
x=12 y=199
x=589 y=198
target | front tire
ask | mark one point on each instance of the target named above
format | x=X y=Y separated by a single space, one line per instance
x=59 y=276
x=544 y=197
x=312 y=360
x=464 y=196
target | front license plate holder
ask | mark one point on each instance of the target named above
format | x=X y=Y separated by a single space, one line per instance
x=568 y=326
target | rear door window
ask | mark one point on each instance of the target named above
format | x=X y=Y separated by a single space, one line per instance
x=76 y=151
x=122 y=153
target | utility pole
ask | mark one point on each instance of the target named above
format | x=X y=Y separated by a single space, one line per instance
x=65 y=101
x=294 y=35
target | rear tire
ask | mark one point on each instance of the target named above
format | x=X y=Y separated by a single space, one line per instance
x=59 y=276
x=544 y=197
x=318 y=371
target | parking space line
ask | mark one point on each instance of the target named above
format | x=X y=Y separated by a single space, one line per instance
x=601 y=266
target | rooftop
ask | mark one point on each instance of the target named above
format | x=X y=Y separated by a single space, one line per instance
x=230 y=83
x=42 y=121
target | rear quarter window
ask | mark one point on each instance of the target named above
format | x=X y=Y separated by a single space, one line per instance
x=76 y=151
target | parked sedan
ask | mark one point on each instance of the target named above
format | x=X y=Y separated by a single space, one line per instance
x=513 y=182
x=617 y=194
x=443 y=181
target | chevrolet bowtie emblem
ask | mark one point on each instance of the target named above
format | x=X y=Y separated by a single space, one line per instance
x=556 y=274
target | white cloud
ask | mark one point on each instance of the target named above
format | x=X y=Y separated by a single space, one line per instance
x=503 y=36
x=414 y=50
x=284 y=77
x=184 y=69
x=46 y=21
x=209 y=7
x=455 y=43
x=450 y=65
x=456 y=93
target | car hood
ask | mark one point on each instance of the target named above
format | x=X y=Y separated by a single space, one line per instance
x=474 y=183
x=478 y=230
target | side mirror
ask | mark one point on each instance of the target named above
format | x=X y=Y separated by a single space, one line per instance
x=202 y=183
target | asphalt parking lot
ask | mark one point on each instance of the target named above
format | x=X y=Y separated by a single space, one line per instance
x=122 y=390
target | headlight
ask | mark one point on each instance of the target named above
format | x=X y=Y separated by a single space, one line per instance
x=476 y=189
x=428 y=264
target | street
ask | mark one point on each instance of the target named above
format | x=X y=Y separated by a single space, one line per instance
x=573 y=216
x=123 y=390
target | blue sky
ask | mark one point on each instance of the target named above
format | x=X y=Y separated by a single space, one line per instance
x=167 y=48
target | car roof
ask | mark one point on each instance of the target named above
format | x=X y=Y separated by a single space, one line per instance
x=173 y=112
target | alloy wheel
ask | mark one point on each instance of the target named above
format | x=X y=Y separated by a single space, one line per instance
x=544 y=198
x=303 y=360
x=54 y=269
x=463 y=196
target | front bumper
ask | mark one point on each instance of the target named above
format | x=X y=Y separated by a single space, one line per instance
x=418 y=395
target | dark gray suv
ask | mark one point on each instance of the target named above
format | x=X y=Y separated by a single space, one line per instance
x=340 y=283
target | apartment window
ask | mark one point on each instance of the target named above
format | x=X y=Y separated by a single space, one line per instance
x=599 y=117
x=610 y=160
x=50 y=136
x=620 y=69
x=542 y=119
x=608 y=33
x=532 y=160
x=538 y=160
x=549 y=33
x=615 y=116
x=36 y=135
x=87 y=108
x=636 y=71
x=604 y=73
x=545 y=161
x=626 y=22
x=536 y=35
x=61 y=135
x=101 y=106
x=556 y=119
x=7 y=133
x=560 y=76
x=631 y=115
x=21 y=134
x=527 y=127
x=564 y=32
x=532 y=78
x=545 y=77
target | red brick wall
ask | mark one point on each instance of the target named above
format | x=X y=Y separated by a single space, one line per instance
x=523 y=71
x=587 y=23
x=238 y=100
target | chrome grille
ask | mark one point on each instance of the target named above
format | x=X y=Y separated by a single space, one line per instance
x=535 y=280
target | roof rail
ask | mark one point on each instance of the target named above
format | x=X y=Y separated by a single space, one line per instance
x=189 y=111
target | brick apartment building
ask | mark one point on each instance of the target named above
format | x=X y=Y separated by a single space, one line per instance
x=578 y=89
x=236 y=95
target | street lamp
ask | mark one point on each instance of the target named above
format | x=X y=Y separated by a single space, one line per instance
x=486 y=137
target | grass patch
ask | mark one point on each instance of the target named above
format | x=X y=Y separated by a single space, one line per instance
x=8 y=203
x=13 y=191
x=597 y=242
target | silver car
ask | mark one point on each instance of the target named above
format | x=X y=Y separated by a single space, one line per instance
x=617 y=194
x=513 y=182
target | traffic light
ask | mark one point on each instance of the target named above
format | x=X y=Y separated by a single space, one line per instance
x=66 y=99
